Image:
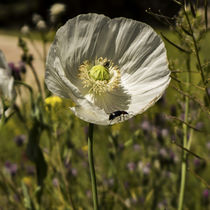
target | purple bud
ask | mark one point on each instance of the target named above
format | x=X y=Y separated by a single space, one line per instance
x=15 y=71
x=109 y=182
x=145 y=125
x=164 y=132
x=208 y=145
x=199 y=125
x=131 y=166
x=206 y=194
x=11 y=168
x=146 y=169
x=136 y=147
x=19 y=140
x=55 y=182
x=74 y=171
x=182 y=116
x=163 y=153
x=197 y=162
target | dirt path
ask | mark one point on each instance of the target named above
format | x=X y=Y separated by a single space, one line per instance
x=9 y=46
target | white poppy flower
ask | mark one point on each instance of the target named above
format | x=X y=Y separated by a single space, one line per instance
x=113 y=69
x=6 y=81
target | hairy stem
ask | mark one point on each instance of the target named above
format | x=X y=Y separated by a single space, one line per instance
x=92 y=168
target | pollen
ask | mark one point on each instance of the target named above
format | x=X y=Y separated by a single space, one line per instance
x=100 y=76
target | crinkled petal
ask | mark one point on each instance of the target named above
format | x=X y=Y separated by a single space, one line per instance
x=75 y=42
x=57 y=81
x=6 y=84
x=90 y=113
x=3 y=62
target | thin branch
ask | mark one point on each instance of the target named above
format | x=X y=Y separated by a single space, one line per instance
x=182 y=121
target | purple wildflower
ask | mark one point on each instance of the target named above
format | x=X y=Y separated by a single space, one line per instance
x=19 y=140
x=131 y=166
x=11 y=168
x=55 y=182
x=206 y=194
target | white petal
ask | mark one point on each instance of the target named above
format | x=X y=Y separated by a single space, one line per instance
x=90 y=113
x=3 y=62
x=6 y=84
x=75 y=42
x=113 y=101
x=56 y=80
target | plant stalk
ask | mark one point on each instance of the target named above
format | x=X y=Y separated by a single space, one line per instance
x=198 y=57
x=91 y=165
x=184 y=143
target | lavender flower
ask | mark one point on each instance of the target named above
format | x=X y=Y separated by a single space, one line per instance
x=131 y=166
x=206 y=194
x=146 y=126
x=11 y=168
x=136 y=147
x=55 y=182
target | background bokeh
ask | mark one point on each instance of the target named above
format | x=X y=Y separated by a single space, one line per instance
x=15 y=13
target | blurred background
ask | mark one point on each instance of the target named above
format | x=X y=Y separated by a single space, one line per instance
x=15 y=13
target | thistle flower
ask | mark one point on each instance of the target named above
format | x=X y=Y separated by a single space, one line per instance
x=107 y=66
x=25 y=29
x=19 y=140
x=36 y=18
x=41 y=25
x=56 y=10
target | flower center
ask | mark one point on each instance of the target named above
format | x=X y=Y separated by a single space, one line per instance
x=99 y=77
x=99 y=72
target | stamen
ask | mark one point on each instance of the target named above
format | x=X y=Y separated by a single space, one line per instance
x=100 y=77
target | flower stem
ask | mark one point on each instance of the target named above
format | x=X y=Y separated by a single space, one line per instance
x=91 y=165
x=184 y=144
x=36 y=78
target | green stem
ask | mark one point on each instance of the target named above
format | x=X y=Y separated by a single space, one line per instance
x=91 y=165
x=184 y=144
x=36 y=78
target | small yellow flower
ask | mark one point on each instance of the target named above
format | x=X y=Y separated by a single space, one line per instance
x=53 y=103
x=27 y=180
x=85 y=148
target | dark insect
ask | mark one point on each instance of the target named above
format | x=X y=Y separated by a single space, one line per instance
x=106 y=64
x=115 y=114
